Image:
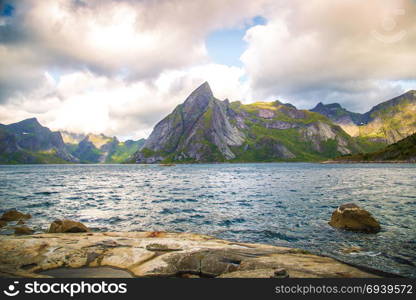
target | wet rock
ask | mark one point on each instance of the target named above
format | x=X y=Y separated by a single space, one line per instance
x=14 y=215
x=67 y=226
x=352 y=217
x=2 y=223
x=21 y=222
x=280 y=273
x=22 y=230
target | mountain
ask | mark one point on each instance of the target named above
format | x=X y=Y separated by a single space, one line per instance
x=98 y=148
x=71 y=137
x=205 y=129
x=387 y=122
x=403 y=150
x=29 y=142
x=349 y=121
x=392 y=120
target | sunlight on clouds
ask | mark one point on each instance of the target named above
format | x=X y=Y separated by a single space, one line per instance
x=118 y=34
x=120 y=66
x=88 y=103
x=314 y=52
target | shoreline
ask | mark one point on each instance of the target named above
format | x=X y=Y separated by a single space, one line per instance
x=367 y=162
x=224 y=163
x=164 y=254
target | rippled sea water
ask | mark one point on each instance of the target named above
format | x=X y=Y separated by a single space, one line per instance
x=286 y=204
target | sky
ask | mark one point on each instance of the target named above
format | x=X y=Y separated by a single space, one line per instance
x=119 y=66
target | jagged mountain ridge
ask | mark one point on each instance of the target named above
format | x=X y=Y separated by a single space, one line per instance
x=28 y=141
x=181 y=130
x=339 y=115
x=387 y=122
x=99 y=148
x=403 y=150
x=205 y=129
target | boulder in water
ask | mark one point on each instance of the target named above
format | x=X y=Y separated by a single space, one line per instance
x=352 y=217
x=14 y=215
x=67 y=226
x=22 y=230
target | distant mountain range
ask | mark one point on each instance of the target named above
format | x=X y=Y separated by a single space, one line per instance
x=403 y=150
x=98 y=148
x=29 y=142
x=206 y=129
x=388 y=122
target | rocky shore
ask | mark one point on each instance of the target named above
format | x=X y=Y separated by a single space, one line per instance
x=70 y=249
x=159 y=254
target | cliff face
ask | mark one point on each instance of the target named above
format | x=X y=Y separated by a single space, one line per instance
x=387 y=122
x=205 y=129
x=349 y=121
x=199 y=129
x=29 y=142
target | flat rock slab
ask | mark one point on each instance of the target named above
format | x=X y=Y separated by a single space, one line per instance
x=99 y=272
x=158 y=254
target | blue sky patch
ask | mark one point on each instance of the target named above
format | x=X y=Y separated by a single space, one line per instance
x=7 y=10
x=226 y=46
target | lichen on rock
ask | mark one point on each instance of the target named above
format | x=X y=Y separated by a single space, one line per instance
x=352 y=217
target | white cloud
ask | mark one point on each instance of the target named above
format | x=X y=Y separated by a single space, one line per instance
x=136 y=39
x=120 y=66
x=322 y=50
x=84 y=102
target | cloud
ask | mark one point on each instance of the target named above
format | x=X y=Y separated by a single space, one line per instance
x=119 y=66
x=86 y=102
x=353 y=52
x=137 y=40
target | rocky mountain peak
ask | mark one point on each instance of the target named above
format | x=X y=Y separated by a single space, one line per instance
x=320 y=106
x=203 y=89
x=199 y=99
x=31 y=123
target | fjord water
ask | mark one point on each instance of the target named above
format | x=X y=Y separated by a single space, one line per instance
x=287 y=204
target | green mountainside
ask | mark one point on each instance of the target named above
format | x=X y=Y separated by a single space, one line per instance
x=31 y=143
x=404 y=150
x=28 y=142
x=98 y=148
x=387 y=122
x=205 y=129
